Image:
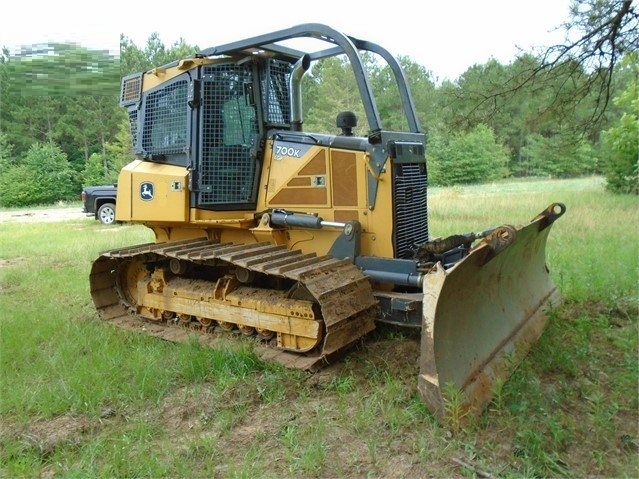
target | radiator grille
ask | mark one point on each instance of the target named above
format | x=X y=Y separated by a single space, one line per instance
x=409 y=197
x=165 y=119
x=227 y=171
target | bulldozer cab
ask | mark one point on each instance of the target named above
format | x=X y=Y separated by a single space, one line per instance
x=214 y=111
x=206 y=119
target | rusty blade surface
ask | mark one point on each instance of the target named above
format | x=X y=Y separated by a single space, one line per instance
x=482 y=316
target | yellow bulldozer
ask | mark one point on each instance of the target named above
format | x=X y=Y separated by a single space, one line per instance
x=307 y=240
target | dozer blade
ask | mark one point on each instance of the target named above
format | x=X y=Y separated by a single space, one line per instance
x=482 y=316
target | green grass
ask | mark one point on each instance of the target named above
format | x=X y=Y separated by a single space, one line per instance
x=594 y=246
x=79 y=398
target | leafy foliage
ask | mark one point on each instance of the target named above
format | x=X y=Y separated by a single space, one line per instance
x=66 y=96
x=103 y=168
x=579 y=73
x=543 y=114
x=603 y=31
x=473 y=157
x=44 y=176
x=60 y=93
x=5 y=152
x=620 y=144
x=325 y=99
x=95 y=170
x=133 y=59
x=558 y=156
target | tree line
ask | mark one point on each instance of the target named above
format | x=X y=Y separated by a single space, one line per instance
x=549 y=114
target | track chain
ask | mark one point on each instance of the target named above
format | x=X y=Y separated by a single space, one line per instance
x=343 y=293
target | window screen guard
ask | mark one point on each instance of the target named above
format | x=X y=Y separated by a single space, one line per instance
x=227 y=172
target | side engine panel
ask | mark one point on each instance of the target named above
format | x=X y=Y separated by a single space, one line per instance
x=149 y=192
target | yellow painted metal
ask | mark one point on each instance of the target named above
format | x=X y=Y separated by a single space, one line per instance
x=264 y=232
x=158 y=76
x=229 y=303
x=377 y=240
x=152 y=192
x=283 y=178
x=127 y=280
x=482 y=316
x=124 y=200
x=169 y=215
x=299 y=182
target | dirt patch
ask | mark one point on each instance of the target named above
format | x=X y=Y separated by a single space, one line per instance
x=11 y=261
x=242 y=420
x=46 y=435
x=43 y=215
x=622 y=313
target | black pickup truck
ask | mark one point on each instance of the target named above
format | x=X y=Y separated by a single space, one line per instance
x=99 y=201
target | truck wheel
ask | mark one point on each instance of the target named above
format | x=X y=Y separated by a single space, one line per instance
x=106 y=213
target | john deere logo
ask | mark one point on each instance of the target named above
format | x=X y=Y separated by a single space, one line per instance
x=146 y=191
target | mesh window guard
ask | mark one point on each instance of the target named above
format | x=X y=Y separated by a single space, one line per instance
x=227 y=172
x=165 y=119
x=275 y=78
x=133 y=123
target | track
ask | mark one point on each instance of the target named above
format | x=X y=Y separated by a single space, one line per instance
x=313 y=307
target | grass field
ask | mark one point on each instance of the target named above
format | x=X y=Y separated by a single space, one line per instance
x=81 y=399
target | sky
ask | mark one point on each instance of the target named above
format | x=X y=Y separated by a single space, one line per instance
x=446 y=37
